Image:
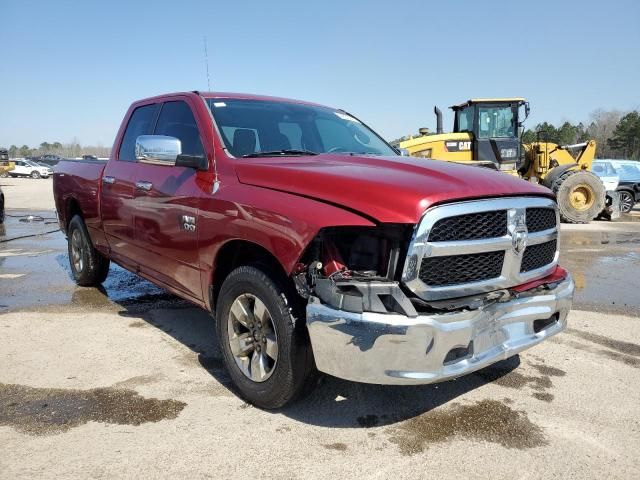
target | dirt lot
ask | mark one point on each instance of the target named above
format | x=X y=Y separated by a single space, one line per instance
x=127 y=381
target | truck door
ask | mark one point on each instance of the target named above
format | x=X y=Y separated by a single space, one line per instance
x=167 y=207
x=117 y=192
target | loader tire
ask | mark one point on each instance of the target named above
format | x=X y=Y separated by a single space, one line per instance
x=580 y=196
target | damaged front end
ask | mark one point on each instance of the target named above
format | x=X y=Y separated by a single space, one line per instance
x=368 y=323
x=356 y=269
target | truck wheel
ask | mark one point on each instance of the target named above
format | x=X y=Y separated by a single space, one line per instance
x=89 y=267
x=627 y=201
x=580 y=196
x=35 y=174
x=263 y=337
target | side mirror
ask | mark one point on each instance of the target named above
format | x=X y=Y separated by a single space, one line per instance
x=404 y=152
x=158 y=149
x=199 y=162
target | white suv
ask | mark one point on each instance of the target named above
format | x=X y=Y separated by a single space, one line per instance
x=27 y=168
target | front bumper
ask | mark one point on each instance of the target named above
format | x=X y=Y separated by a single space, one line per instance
x=395 y=349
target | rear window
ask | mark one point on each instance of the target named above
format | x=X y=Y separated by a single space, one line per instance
x=140 y=123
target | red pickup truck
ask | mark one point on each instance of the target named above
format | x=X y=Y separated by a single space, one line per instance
x=317 y=245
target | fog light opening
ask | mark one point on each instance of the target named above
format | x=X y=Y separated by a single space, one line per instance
x=540 y=325
x=458 y=353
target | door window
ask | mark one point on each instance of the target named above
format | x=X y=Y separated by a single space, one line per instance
x=139 y=124
x=176 y=120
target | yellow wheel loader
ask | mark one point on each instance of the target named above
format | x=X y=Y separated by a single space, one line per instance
x=485 y=133
x=5 y=164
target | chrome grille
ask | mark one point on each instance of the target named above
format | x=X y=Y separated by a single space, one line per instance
x=455 y=269
x=539 y=219
x=473 y=226
x=473 y=247
x=537 y=256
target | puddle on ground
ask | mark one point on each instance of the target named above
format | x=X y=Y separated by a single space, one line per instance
x=46 y=411
x=545 y=397
x=604 y=266
x=36 y=275
x=514 y=379
x=627 y=348
x=486 y=420
x=341 y=447
x=628 y=360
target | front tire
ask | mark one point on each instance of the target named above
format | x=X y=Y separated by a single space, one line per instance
x=35 y=174
x=627 y=201
x=263 y=337
x=88 y=266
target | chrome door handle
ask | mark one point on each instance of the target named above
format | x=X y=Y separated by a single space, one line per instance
x=142 y=185
x=108 y=180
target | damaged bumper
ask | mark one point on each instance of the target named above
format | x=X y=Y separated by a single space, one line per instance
x=395 y=349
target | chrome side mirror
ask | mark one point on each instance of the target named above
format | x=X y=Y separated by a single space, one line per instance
x=158 y=149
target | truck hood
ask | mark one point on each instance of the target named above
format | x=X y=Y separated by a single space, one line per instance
x=387 y=189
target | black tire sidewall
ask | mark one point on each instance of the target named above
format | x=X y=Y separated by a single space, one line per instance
x=35 y=174
x=94 y=266
x=290 y=373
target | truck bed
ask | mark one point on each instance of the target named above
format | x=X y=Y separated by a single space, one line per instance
x=78 y=182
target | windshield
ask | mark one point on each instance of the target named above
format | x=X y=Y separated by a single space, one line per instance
x=604 y=169
x=252 y=127
x=628 y=172
x=497 y=122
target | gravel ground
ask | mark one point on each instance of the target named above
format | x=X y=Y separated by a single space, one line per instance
x=127 y=381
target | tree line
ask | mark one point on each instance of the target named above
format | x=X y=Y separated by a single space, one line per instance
x=617 y=134
x=72 y=149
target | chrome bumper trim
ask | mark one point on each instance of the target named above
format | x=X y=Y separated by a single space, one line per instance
x=394 y=349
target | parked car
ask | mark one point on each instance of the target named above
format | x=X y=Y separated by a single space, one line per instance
x=628 y=172
x=27 y=168
x=89 y=157
x=315 y=244
x=49 y=159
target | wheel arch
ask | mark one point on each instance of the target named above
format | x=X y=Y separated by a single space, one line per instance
x=72 y=207
x=235 y=253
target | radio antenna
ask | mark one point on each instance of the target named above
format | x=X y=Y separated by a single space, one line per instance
x=206 y=62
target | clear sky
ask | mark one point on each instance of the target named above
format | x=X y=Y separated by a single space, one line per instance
x=70 y=69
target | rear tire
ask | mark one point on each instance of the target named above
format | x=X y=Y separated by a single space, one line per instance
x=580 y=196
x=88 y=266
x=254 y=306
x=35 y=174
x=627 y=201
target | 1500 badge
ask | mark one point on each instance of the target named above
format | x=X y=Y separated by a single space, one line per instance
x=188 y=223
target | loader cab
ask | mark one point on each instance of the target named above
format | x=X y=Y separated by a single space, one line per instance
x=494 y=127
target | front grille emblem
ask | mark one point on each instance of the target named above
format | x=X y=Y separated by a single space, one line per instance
x=519 y=240
x=519 y=232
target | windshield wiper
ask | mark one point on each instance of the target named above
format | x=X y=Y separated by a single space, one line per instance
x=278 y=153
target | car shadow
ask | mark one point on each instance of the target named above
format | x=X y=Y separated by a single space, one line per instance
x=332 y=402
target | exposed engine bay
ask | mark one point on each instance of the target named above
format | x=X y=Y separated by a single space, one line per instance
x=358 y=269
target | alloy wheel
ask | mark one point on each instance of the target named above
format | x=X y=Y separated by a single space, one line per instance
x=252 y=337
